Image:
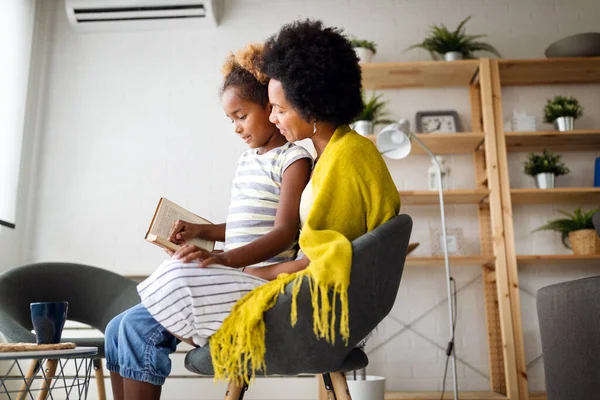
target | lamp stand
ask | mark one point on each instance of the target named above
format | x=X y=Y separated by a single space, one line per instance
x=450 y=348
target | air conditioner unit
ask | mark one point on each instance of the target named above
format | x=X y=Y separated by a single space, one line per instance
x=113 y=15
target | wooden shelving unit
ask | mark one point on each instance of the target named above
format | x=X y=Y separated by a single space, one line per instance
x=455 y=261
x=425 y=74
x=476 y=77
x=493 y=195
x=551 y=71
x=447 y=143
x=588 y=195
x=430 y=198
x=554 y=259
x=578 y=140
x=527 y=73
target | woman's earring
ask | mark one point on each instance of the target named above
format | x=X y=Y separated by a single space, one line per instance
x=315 y=127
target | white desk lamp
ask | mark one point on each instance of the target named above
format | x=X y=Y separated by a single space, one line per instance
x=394 y=142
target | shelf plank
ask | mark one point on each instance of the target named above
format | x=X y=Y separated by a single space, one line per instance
x=446 y=143
x=430 y=197
x=456 y=261
x=538 y=396
x=551 y=71
x=447 y=395
x=553 y=259
x=424 y=74
x=578 y=140
x=588 y=195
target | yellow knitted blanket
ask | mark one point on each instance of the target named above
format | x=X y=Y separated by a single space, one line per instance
x=353 y=194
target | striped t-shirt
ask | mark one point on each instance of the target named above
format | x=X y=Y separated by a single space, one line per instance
x=255 y=197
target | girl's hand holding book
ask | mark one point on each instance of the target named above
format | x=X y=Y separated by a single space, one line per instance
x=183 y=231
x=191 y=253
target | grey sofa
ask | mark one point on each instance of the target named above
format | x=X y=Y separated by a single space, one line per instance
x=95 y=296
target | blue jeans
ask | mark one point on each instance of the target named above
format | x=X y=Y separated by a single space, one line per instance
x=138 y=347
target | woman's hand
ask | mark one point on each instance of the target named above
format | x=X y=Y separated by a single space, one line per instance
x=271 y=272
x=182 y=231
x=190 y=253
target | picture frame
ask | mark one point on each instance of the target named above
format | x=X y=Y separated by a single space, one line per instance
x=456 y=241
x=447 y=121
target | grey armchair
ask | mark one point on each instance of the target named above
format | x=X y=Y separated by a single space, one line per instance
x=95 y=296
x=570 y=331
x=377 y=265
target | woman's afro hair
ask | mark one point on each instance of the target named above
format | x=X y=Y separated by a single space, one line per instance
x=318 y=70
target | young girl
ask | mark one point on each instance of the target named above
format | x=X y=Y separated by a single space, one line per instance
x=189 y=296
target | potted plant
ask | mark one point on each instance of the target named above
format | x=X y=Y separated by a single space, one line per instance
x=578 y=227
x=562 y=112
x=373 y=113
x=366 y=387
x=365 y=49
x=544 y=168
x=455 y=45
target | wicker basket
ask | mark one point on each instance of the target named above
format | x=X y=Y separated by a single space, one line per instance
x=585 y=242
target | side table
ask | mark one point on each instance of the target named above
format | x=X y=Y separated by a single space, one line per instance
x=57 y=374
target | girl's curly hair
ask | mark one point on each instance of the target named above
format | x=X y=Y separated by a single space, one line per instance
x=241 y=72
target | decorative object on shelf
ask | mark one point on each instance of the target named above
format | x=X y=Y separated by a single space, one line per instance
x=373 y=113
x=365 y=50
x=394 y=141
x=545 y=168
x=597 y=173
x=521 y=122
x=455 y=241
x=455 y=45
x=579 y=229
x=446 y=121
x=580 y=45
x=412 y=247
x=562 y=112
x=432 y=182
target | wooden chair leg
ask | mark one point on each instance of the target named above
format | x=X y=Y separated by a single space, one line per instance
x=326 y=387
x=235 y=392
x=99 y=373
x=34 y=367
x=50 y=372
x=340 y=386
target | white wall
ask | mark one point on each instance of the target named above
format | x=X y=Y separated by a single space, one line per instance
x=16 y=38
x=132 y=116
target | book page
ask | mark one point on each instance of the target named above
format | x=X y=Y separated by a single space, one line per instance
x=167 y=213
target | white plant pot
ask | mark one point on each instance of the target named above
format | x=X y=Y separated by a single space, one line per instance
x=453 y=56
x=363 y=128
x=364 y=55
x=373 y=388
x=545 y=181
x=564 y=124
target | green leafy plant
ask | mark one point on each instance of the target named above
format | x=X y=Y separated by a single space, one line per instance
x=561 y=106
x=441 y=41
x=576 y=221
x=367 y=44
x=546 y=162
x=374 y=110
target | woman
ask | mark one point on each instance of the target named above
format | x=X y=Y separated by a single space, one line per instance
x=314 y=88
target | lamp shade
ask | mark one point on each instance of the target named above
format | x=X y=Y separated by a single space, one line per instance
x=394 y=140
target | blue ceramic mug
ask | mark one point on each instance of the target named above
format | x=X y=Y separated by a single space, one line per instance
x=48 y=320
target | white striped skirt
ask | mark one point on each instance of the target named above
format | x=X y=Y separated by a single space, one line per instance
x=193 y=302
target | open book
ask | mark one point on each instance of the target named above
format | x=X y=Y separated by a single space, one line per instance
x=166 y=214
